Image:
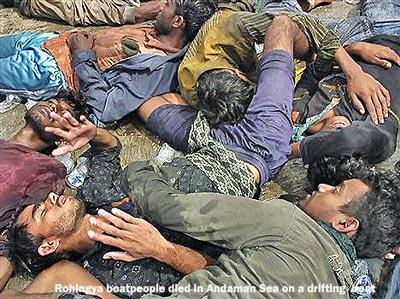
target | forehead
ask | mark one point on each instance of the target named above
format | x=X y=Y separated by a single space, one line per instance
x=354 y=188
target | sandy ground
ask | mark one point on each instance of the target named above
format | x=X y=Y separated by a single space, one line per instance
x=140 y=144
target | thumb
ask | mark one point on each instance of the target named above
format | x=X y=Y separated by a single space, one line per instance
x=120 y=256
x=62 y=150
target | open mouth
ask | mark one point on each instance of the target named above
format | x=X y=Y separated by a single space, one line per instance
x=62 y=199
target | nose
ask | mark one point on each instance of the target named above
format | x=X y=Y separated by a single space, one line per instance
x=325 y=188
x=52 y=199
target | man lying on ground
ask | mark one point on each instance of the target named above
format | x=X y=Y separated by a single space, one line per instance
x=114 y=79
x=27 y=175
x=327 y=124
x=212 y=62
x=61 y=224
x=281 y=244
x=91 y=12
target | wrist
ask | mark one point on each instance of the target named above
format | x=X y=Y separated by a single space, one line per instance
x=103 y=140
x=166 y=252
x=347 y=64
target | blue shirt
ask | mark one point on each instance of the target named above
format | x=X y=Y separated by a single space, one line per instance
x=126 y=85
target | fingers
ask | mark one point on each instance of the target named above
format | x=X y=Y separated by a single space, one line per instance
x=120 y=256
x=66 y=120
x=384 y=99
x=382 y=62
x=125 y=216
x=105 y=239
x=377 y=106
x=117 y=227
x=391 y=55
x=59 y=151
x=57 y=131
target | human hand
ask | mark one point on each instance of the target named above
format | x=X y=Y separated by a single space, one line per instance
x=363 y=89
x=74 y=134
x=148 y=11
x=374 y=54
x=81 y=41
x=137 y=237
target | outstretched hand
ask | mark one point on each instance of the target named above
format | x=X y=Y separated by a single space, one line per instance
x=364 y=89
x=74 y=134
x=374 y=54
x=135 y=236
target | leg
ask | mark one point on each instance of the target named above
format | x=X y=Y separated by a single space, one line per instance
x=377 y=17
x=384 y=14
x=26 y=69
x=277 y=6
x=80 y=12
x=67 y=273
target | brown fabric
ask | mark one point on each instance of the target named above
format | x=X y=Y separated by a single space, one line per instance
x=81 y=12
x=108 y=48
x=59 y=48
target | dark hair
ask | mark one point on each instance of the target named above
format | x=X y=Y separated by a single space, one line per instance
x=334 y=170
x=195 y=13
x=379 y=215
x=378 y=211
x=223 y=96
x=78 y=103
x=23 y=252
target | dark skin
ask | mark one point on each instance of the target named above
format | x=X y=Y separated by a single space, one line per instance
x=175 y=38
x=82 y=41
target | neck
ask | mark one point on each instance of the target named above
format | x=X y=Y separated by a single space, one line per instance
x=79 y=241
x=175 y=39
x=28 y=137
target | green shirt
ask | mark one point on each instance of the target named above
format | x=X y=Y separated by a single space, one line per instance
x=268 y=244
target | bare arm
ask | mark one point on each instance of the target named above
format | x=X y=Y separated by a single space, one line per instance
x=5 y=271
x=139 y=239
x=67 y=273
x=374 y=54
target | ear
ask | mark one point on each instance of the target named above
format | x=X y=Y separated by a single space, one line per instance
x=178 y=22
x=346 y=224
x=48 y=247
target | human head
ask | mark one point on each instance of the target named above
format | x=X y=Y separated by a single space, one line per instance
x=38 y=117
x=188 y=15
x=37 y=237
x=224 y=96
x=365 y=204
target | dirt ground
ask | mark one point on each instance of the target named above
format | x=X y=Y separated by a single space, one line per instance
x=140 y=144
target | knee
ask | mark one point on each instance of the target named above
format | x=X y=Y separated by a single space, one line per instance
x=284 y=22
